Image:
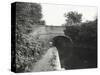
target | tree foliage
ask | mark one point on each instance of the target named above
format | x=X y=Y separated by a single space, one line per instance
x=72 y=31
x=86 y=32
x=27 y=15
x=73 y=17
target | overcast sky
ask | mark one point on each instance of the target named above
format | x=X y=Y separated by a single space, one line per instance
x=53 y=14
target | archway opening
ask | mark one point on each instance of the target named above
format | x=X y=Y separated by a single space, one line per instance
x=64 y=46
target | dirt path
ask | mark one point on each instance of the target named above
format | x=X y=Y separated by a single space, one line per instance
x=50 y=61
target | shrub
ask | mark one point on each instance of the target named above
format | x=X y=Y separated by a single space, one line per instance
x=72 y=31
x=28 y=51
x=84 y=33
x=88 y=32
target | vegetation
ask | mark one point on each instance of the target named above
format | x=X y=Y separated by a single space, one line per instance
x=29 y=49
x=85 y=32
x=73 y=17
x=27 y=15
x=84 y=36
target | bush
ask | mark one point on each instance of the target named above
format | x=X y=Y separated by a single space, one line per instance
x=86 y=32
x=28 y=51
x=72 y=31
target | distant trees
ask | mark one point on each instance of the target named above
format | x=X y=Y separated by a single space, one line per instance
x=29 y=12
x=73 y=17
x=84 y=32
x=27 y=15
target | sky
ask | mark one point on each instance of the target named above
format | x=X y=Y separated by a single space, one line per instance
x=53 y=14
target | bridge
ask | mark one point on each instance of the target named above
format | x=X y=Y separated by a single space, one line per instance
x=48 y=32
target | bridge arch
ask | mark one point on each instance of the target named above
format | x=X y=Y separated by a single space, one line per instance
x=64 y=46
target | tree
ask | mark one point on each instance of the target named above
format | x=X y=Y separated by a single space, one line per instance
x=27 y=15
x=28 y=12
x=73 y=17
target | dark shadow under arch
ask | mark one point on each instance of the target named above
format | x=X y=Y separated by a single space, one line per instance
x=64 y=46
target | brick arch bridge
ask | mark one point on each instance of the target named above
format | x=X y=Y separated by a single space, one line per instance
x=48 y=32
